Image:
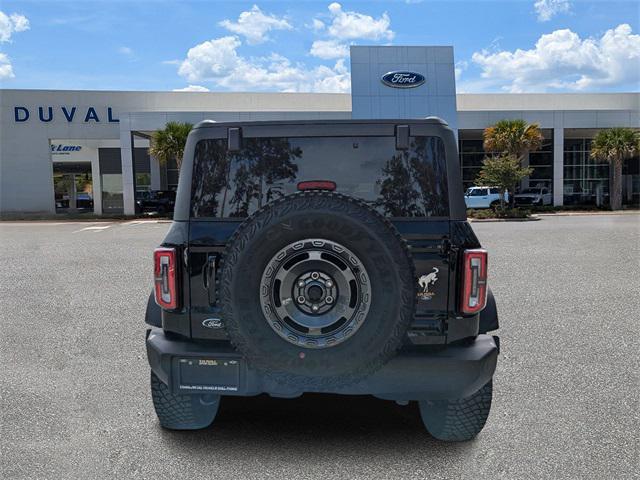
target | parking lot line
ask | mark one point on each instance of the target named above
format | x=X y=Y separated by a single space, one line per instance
x=94 y=228
x=143 y=222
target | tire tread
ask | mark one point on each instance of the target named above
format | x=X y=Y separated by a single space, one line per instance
x=458 y=420
x=179 y=412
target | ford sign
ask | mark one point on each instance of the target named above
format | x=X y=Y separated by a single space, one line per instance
x=402 y=79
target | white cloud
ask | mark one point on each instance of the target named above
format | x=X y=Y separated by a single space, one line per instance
x=20 y=22
x=255 y=24
x=10 y=24
x=192 y=88
x=218 y=61
x=317 y=25
x=335 y=80
x=547 y=9
x=347 y=25
x=126 y=51
x=6 y=70
x=212 y=59
x=328 y=49
x=561 y=60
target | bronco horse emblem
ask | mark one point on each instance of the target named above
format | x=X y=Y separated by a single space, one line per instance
x=424 y=281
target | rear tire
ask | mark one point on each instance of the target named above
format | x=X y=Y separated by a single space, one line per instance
x=494 y=205
x=182 y=412
x=457 y=420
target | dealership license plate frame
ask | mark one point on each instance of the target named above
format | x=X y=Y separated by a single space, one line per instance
x=217 y=374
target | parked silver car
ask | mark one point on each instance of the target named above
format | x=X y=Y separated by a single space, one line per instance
x=534 y=196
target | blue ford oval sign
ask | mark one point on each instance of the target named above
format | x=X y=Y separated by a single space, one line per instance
x=401 y=79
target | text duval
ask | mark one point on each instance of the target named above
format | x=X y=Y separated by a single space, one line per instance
x=47 y=114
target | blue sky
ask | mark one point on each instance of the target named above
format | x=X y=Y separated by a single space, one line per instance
x=500 y=46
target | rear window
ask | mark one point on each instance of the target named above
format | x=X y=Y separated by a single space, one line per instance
x=397 y=183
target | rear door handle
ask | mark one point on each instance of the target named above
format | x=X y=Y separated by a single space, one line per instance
x=209 y=278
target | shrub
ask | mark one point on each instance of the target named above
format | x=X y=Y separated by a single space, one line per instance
x=499 y=213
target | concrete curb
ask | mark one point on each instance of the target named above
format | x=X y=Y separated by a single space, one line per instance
x=571 y=214
x=84 y=220
x=489 y=220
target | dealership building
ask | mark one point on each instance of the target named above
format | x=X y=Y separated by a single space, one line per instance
x=63 y=150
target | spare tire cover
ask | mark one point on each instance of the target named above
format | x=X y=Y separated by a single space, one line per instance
x=318 y=289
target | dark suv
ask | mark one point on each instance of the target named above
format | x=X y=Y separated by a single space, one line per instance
x=155 y=201
x=322 y=256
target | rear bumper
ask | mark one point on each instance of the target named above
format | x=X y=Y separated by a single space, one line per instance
x=193 y=368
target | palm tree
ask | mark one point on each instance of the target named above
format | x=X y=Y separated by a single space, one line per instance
x=169 y=142
x=615 y=145
x=512 y=139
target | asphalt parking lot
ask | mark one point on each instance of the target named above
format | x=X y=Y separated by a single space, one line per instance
x=75 y=397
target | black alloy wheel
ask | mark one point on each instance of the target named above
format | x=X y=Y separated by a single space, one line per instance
x=315 y=293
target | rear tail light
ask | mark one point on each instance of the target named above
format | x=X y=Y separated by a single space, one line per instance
x=165 y=277
x=474 y=290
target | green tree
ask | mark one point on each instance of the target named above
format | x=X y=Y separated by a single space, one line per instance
x=512 y=138
x=168 y=143
x=615 y=145
x=504 y=172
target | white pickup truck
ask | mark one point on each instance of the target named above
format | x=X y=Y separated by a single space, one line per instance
x=483 y=197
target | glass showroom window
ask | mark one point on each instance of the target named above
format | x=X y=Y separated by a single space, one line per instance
x=112 y=196
x=111 y=180
x=172 y=174
x=142 y=169
x=631 y=182
x=541 y=161
x=143 y=182
x=586 y=181
x=471 y=156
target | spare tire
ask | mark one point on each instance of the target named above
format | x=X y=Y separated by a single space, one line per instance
x=317 y=289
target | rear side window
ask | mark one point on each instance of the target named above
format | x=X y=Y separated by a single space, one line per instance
x=398 y=183
x=494 y=191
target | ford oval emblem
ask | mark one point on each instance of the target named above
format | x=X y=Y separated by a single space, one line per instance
x=401 y=79
x=212 y=323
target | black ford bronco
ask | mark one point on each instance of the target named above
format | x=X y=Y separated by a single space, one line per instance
x=322 y=256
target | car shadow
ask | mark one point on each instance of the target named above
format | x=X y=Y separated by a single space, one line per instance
x=333 y=424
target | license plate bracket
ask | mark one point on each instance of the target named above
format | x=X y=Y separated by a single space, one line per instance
x=208 y=375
